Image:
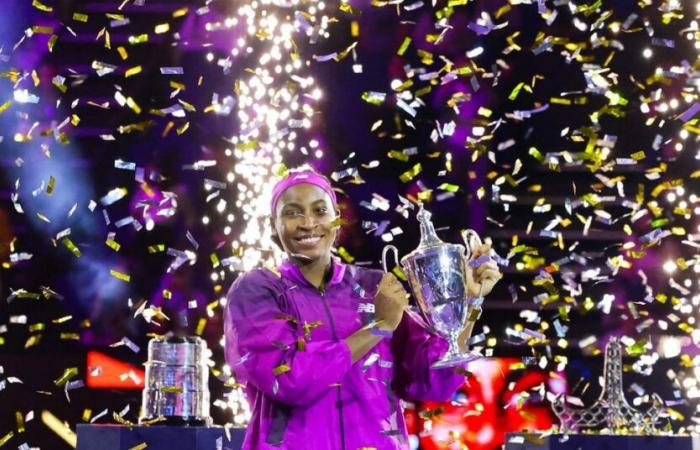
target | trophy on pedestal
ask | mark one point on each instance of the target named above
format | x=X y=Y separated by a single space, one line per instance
x=437 y=275
x=176 y=388
x=611 y=411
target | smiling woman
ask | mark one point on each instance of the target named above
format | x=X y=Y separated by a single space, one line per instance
x=304 y=220
x=324 y=348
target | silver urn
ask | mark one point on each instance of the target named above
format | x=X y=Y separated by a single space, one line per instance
x=176 y=390
x=436 y=273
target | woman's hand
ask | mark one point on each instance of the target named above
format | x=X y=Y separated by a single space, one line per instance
x=482 y=279
x=390 y=302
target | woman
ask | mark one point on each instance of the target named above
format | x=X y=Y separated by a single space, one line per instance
x=325 y=348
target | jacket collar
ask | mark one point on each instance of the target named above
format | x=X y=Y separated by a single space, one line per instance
x=292 y=272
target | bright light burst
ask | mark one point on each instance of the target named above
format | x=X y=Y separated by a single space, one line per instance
x=276 y=96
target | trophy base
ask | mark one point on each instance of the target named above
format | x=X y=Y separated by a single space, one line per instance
x=180 y=421
x=456 y=359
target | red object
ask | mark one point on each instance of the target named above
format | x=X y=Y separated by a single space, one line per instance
x=107 y=373
x=495 y=400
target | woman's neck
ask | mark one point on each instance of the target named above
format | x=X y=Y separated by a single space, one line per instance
x=315 y=271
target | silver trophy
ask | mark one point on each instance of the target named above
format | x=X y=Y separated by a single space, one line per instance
x=176 y=389
x=437 y=275
x=611 y=412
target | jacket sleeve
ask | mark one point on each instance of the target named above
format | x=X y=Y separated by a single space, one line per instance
x=264 y=346
x=415 y=350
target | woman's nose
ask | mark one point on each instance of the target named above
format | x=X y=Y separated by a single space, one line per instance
x=308 y=221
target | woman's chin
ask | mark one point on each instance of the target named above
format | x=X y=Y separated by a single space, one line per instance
x=306 y=256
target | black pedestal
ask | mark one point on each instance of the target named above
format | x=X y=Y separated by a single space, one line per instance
x=518 y=441
x=120 y=437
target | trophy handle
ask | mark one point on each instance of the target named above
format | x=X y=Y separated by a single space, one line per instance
x=467 y=235
x=387 y=249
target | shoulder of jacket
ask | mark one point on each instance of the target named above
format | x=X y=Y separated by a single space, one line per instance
x=256 y=279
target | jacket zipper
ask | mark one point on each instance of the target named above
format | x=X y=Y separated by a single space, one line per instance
x=339 y=396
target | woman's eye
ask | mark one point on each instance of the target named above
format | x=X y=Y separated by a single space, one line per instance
x=321 y=211
x=292 y=213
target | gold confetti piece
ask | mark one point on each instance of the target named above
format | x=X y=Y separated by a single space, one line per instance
x=69 y=336
x=201 y=324
x=140 y=446
x=156 y=248
x=183 y=128
x=449 y=187
x=516 y=90
x=424 y=196
x=114 y=245
x=79 y=17
x=140 y=39
x=346 y=8
x=399 y=273
x=87 y=413
x=162 y=28
x=5 y=105
x=411 y=173
x=19 y=418
x=6 y=438
x=536 y=154
x=134 y=107
x=50 y=186
x=172 y=389
x=58 y=83
x=71 y=246
x=395 y=154
x=122 y=53
x=638 y=156
x=559 y=101
x=180 y=12
x=42 y=30
x=68 y=374
x=119 y=275
x=52 y=42
x=41 y=7
x=36 y=327
x=347 y=257
x=338 y=222
x=404 y=46
x=484 y=112
x=214 y=260
x=131 y=72
x=62 y=319
x=279 y=370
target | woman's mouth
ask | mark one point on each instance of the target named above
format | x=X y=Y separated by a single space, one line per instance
x=309 y=240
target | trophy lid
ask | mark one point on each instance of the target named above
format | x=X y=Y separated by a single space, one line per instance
x=428 y=236
x=429 y=240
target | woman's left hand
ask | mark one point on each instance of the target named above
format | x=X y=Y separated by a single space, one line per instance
x=482 y=279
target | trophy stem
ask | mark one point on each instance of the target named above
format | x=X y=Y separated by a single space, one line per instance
x=454 y=356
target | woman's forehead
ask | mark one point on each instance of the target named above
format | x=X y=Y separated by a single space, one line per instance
x=303 y=194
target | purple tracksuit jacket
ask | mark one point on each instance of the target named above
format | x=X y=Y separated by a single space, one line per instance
x=284 y=340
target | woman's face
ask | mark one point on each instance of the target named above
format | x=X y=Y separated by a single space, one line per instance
x=303 y=220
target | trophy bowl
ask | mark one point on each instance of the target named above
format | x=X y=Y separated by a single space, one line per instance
x=436 y=273
x=177 y=382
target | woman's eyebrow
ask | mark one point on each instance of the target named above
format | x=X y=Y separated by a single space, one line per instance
x=297 y=205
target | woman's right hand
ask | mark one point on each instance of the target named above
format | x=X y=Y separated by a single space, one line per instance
x=390 y=302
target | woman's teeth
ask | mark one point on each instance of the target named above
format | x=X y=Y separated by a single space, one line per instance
x=309 y=240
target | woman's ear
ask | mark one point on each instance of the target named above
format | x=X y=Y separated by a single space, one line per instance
x=273 y=232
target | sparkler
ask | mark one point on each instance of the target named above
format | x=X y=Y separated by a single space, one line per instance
x=275 y=104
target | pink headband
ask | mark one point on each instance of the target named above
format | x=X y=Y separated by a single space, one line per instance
x=301 y=177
